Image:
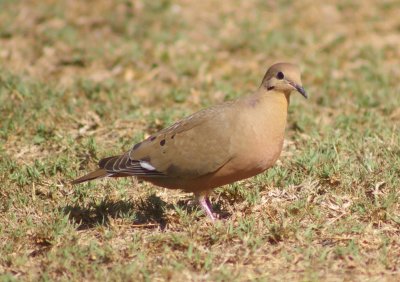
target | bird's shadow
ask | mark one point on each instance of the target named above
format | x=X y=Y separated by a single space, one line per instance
x=145 y=212
x=150 y=212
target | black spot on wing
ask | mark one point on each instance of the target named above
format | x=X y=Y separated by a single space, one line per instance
x=162 y=142
x=136 y=146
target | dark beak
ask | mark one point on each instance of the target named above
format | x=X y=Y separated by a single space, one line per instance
x=300 y=89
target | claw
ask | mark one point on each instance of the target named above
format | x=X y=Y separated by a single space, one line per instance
x=206 y=205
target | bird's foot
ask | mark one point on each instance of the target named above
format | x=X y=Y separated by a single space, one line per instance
x=206 y=205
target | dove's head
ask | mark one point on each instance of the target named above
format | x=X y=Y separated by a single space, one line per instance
x=283 y=77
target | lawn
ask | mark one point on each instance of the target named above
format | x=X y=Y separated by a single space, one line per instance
x=83 y=80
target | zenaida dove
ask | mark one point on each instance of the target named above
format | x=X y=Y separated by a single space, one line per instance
x=215 y=146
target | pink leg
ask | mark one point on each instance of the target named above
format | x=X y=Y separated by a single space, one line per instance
x=206 y=205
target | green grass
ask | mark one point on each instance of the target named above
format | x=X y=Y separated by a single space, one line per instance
x=79 y=82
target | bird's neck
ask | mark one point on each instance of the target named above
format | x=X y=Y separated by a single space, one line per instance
x=267 y=108
x=273 y=99
x=263 y=115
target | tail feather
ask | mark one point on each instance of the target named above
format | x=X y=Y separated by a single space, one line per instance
x=99 y=173
x=119 y=166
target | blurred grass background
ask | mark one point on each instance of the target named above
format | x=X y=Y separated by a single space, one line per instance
x=81 y=80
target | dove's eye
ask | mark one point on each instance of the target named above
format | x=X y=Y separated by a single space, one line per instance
x=280 y=75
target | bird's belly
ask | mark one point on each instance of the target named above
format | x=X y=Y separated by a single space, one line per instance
x=254 y=163
x=241 y=167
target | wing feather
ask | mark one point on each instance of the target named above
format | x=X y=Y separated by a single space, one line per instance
x=186 y=149
x=123 y=164
x=183 y=150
